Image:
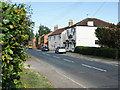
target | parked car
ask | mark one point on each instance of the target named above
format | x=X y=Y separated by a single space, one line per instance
x=29 y=46
x=45 y=48
x=60 y=50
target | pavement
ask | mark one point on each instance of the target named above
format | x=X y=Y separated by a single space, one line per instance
x=75 y=71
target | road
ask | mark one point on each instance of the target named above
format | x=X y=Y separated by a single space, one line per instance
x=89 y=74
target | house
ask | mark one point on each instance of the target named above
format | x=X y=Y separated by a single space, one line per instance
x=46 y=39
x=43 y=40
x=57 y=38
x=34 y=42
x=83 y=33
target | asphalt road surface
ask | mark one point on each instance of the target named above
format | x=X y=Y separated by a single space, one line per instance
x=89 y=74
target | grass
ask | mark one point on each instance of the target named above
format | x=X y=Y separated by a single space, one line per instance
x=33 y=79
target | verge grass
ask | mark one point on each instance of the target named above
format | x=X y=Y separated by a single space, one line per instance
x=33 y=79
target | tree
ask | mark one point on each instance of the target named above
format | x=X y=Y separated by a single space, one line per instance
x=37 y=36
x=43 y=30
x=109 y=37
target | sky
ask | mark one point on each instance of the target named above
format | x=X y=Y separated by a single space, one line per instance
x=51 y=13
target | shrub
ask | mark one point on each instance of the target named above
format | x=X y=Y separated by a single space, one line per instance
x=15 y=23
x=96 y=51
x=119 y=54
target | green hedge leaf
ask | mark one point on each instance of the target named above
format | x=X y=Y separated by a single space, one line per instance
x=5 y=21
x=5 y=29
x=10 y=51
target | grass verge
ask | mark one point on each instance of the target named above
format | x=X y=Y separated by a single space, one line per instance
x=33 y=79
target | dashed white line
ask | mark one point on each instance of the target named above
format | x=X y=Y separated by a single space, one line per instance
x=56 y=57
x=68 y=60
x=43 y=53
x=38 y=50
x=47 y=54
x=94 y=68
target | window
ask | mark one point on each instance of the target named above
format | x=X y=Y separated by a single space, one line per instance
x=73 y=31
x=67 y=32
x=68 y=44
x=96 y=42
x=54 y=37
x=59 y=36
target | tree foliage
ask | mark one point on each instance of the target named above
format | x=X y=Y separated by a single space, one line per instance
x=37 y=36
x=109 y=37
x=16 y=25
x=43 y=30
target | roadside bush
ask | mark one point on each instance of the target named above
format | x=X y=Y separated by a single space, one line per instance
x=97 y=51
x=15 y=22
x=119 y=54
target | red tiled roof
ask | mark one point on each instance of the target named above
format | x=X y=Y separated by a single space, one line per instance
x=97 y=22
x=59 y=31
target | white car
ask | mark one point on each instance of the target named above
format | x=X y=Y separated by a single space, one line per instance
x=60 y=50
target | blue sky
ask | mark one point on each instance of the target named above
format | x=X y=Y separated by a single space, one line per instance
x=59 y=13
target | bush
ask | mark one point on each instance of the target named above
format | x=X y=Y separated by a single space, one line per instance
x=96 y=51
x=15 y=22
x=119 y=54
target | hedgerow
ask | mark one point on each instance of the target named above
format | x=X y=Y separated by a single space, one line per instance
x=15 y=22
x=98 y=51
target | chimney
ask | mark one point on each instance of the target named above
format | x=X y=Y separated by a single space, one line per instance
x=70 y=22
x=55 y=27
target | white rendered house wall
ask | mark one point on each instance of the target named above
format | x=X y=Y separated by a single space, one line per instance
x=85 y=36
x=54 y=41
x=63 y=38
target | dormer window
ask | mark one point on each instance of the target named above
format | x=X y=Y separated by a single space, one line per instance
x=90 y=23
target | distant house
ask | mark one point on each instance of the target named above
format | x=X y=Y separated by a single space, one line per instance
x=43 y=40
x=83 y=33
x=34 y=42
x=57 y=38
x=46 y=39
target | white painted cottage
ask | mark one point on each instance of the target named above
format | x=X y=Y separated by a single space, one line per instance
x=83 y=33
x=57 y=38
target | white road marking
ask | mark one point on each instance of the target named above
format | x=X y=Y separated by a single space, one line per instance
x=56 y=57
x=116 y=65
x=47 y=54
x=68 y=60
x=38 y=50
x=94 y=68
x=71 y=80
x=43 y=53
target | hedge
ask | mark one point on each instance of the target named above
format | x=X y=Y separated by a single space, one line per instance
x=97 y=51
x=119 y=54
x=15 y=22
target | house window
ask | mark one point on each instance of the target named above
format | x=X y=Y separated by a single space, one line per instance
x=67 y=32
x=74 y=44
x=68 y=44
x=73 y=31
x=59 y=36
x=54 y=37
x=49 y=38
x=96 y=42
